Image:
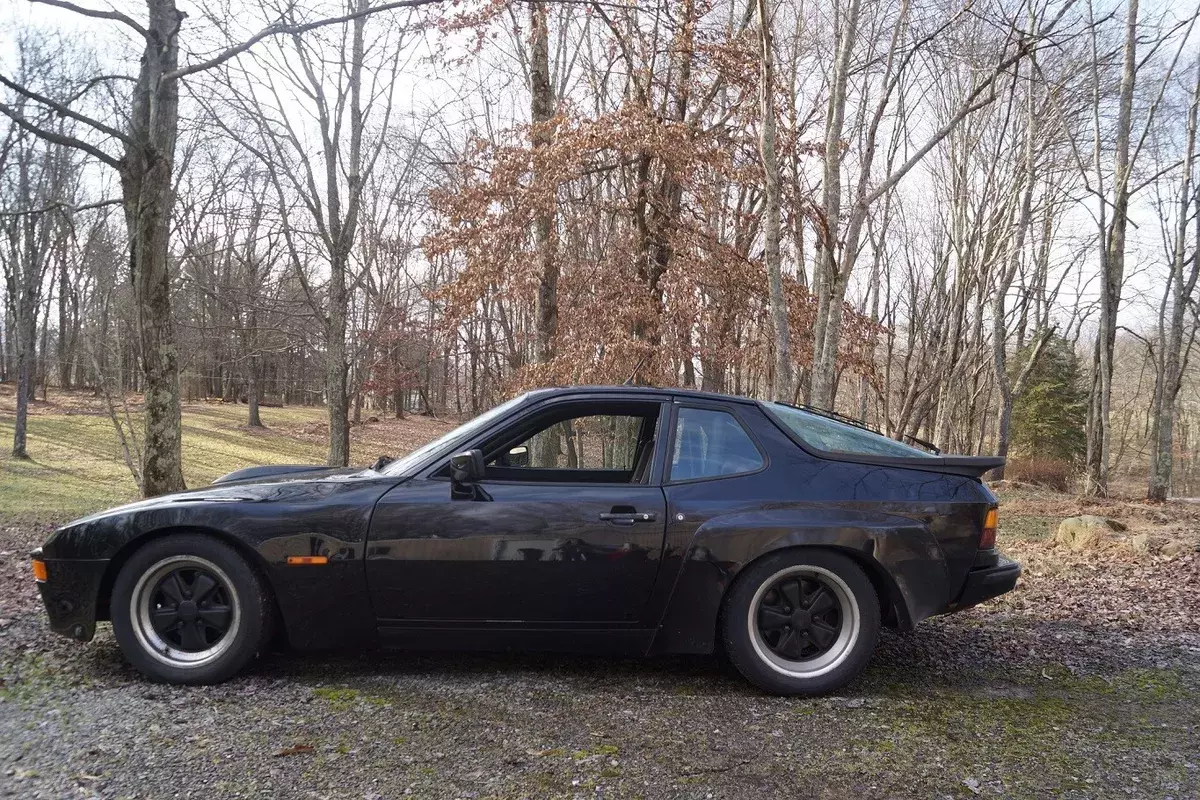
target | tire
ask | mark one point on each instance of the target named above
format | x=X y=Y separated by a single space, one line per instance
x=189 y=609
x=830 y=633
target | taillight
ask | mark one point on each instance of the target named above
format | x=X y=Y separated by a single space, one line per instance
x=988 y=540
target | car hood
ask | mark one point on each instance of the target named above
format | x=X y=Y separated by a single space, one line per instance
x=273 y=473
x=252 y=484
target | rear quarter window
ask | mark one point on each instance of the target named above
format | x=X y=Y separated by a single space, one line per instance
x=822 y=433
x=710 y=443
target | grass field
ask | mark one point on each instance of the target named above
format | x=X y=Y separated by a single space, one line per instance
x=76 y=467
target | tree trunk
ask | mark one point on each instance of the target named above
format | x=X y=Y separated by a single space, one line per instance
x=253 y=393
x=828 y=284
x=772 y=223
x=26 y=336
x=1169 y=378
x=544 y=234
x=64 y=351
x=341 y=238
x=1112 y=264
x=148 y=201
x=336 y=370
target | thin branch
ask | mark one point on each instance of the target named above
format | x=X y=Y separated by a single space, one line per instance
x=116 y=16
x=64 y=207
x=58 y=138
x=279 y=28
x=64 y=110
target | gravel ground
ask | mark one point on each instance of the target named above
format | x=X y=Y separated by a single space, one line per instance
x=1011 y=700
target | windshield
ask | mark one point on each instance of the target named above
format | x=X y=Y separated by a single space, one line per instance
x=462 y=432
x=823 y=433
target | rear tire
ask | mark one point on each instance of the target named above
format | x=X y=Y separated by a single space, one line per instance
x=189 y=609
x=801 y=621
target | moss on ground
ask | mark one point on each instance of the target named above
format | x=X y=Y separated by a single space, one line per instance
x=1032 y=738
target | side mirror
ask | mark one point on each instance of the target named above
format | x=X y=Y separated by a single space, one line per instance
x=467 y=467
x=518 y=456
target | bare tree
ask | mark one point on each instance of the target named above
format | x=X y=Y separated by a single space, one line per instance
x=1178 y=297
x=840 y=240
x=782 y=384
x=36 y=194
x=147 y=138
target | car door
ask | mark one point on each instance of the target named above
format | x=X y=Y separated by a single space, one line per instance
x=566 y=526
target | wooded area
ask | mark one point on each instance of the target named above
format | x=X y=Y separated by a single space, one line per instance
x=976 y=224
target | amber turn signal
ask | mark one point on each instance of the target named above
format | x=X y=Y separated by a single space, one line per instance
x=988 y=540
x=296 y=561
x=39 y=571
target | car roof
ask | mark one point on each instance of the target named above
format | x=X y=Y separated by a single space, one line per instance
x=649 y=391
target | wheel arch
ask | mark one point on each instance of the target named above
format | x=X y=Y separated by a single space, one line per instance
x=122 y=556
x=892 y=607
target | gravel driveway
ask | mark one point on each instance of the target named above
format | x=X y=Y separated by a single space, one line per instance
x=996 y=702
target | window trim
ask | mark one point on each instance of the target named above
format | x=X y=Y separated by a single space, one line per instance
x=657 y=466
x=678 y=405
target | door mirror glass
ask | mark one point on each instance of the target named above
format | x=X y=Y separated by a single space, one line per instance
x=467 y=467
x=518 y=456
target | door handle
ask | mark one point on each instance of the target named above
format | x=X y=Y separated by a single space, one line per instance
x=629 y=517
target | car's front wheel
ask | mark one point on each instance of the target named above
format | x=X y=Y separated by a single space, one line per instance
x=188 y=608
x=801 y=621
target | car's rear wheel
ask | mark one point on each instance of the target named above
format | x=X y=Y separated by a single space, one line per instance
x=801 y=621
x=188 y=608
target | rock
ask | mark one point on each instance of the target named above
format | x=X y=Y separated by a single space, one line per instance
x=1175 y=547
x=1085 y=531
x=1144 y=543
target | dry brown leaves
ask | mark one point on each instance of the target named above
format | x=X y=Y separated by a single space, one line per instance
x=1109 y=587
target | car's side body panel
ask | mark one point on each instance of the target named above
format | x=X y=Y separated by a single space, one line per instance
x=516 y=552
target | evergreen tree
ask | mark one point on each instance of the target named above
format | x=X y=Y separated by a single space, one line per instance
x=1050 y=416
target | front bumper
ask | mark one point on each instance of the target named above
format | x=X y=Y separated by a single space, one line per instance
x=984 y=583
x=71 y=594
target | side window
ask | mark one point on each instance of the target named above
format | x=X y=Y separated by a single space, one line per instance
x=585 y=447
x=599 y=441
x=711 y=443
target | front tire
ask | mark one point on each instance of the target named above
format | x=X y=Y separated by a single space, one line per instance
x=189 y=609
x=800 y=622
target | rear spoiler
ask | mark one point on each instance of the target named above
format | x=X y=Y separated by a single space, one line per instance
x=971 y=466
x=967 y=466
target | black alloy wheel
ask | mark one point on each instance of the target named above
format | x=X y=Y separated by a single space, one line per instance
x=802 y=620
x=188 y=608
x=799 y=617
x=191 y=608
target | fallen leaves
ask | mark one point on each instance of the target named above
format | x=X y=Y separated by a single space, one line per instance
x=294 y=750
x=1112 y=588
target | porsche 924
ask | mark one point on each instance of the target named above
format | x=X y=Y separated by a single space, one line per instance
x=621 y=520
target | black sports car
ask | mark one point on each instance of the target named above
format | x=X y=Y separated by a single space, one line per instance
x=612 y=519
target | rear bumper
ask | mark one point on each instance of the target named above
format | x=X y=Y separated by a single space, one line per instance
x=70 y=593
x=984 y=583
